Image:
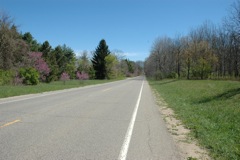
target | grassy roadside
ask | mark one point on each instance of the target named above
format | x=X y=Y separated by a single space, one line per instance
x=210 y=109
x=9 y=91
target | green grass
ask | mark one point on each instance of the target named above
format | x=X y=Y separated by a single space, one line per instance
x=9 y=91
x=210 y=109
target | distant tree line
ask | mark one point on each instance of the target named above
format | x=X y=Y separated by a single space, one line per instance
x=25 y=61
x=207 y=51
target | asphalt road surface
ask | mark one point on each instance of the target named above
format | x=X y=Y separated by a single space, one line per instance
x=117 y=120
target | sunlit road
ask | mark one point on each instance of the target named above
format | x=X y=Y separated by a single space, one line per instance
x=94 y=122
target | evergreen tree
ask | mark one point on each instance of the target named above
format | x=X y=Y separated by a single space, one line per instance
x=98 y=60
x=65 y=59
x=46 y=50
x=33 y=44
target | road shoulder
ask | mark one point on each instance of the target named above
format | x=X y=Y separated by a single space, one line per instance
x=150 y=139
x=187 y=145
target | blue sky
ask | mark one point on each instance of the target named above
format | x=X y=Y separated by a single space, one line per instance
x=127 y=25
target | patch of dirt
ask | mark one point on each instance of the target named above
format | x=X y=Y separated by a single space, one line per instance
x=188 y=147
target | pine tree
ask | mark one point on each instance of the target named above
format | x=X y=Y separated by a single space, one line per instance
x=46 y=49
x=98 y=60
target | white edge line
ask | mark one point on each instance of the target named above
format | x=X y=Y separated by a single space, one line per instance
x=127 y=139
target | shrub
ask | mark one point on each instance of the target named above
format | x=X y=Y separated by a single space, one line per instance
x=30 y=76
x=6 y=77
x=158 y=75
x=17 y=80
x=91 y=73
x=172 y=75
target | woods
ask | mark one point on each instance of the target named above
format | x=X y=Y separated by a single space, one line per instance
x=206 y=52
x=23 y=60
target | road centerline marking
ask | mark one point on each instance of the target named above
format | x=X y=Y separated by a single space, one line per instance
x=127 y=139
x=10 y=123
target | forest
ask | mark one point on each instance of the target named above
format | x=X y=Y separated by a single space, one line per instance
x=208 y=51
x=23 y=60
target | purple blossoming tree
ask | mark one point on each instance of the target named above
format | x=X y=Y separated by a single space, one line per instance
x=39 y=64
x=64 y=77
x=82 y=76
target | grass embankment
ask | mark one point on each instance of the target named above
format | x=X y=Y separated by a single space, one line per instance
x=210 y=109
x=9 y=91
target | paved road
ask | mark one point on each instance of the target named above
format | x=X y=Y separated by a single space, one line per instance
x=94 y=122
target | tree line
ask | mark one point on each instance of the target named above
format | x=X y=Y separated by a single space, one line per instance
x=23 y=60
x=207 y=52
